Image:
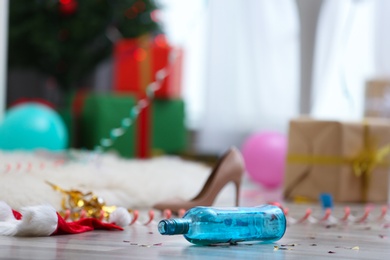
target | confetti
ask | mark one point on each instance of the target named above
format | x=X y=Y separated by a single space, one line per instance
x=382 y=236
x=313 y=244
x=126 y=241
x=150 y=232
x=352 y=248
x=289 y=245
x=329 y=226
x=331 y=252
x=158 y=244
x=281 y=248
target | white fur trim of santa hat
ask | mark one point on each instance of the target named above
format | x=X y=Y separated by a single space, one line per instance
x=43 y=220
x=120 y=217
x=39 y=220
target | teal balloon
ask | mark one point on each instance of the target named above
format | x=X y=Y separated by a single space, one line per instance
x=32 y=126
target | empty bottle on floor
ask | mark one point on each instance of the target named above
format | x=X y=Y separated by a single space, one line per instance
x=212 y=225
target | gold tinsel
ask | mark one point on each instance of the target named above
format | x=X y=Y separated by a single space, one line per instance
x=76 y=204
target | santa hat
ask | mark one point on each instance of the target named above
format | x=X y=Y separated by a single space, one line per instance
x=43 y=220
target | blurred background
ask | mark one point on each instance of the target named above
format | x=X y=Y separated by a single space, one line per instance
x=231 y=68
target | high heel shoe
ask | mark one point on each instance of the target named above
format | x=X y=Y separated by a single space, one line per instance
x=229 y=168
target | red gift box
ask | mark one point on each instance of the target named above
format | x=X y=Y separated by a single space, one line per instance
x=136 y=62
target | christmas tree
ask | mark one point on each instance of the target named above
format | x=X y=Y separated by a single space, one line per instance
x=67 y=39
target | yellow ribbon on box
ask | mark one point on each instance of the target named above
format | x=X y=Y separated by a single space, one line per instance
x=362 y=164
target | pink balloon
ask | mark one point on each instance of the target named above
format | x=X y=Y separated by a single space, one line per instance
x=264 y=155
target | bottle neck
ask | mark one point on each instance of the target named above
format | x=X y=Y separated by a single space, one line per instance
x=174 y=226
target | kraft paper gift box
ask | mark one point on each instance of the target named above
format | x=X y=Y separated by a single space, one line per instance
x=349 y=160
x=377 y=98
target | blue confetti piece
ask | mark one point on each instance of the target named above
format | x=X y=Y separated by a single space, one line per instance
x=326 y=200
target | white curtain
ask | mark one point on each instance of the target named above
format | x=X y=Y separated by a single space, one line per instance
x=344 y=58
x=252 y=68
x=185 y=24
x=242 y=66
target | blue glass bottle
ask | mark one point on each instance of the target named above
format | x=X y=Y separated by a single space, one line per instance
x=209 y=225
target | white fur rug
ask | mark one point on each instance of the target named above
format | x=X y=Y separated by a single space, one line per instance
x=128 y=183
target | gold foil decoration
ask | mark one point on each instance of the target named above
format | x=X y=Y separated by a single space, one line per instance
x=76 y=204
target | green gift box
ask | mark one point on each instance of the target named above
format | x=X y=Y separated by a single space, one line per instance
x=159 y=127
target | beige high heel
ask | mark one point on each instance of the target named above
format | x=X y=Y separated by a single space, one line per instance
x=229 y=168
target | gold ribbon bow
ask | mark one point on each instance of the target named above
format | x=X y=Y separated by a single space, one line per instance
x=362 y=164
x=369 y=157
